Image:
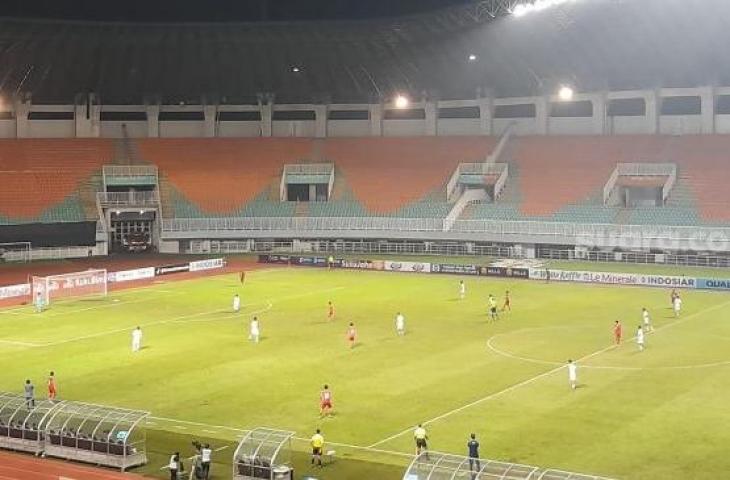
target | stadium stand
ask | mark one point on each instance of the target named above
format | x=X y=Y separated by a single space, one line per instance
x=43 y=179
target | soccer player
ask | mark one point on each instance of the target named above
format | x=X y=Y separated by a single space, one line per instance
x=51 y=386
x=317 y=442
x=254 y=331
x=617 y=331
x=421 y=438
x=677 y=305
x=351 y=335
x=646 y=319
x=400 y=324
x=39 y=303
x=507 y=302
x=492 y=308
x=672 y=296
x=325 y=401
x=462 y=289
x=572 y=374
x=236 y=303
x=242 y=277
x=640 y=338
x=330 y=311
x=29 y=394
x=136 y=339
x=473 y=446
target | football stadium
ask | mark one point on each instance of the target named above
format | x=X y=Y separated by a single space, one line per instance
x=334 y=240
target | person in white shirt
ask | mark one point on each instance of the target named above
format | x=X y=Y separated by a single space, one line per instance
x=462 y=289
x=640 y=338
x=572 y=374
x=646 y=319
x=136 y=339
x=400 y=324
x=236 y=303
x=254 y=331
x=677 y=306
x=205 y=455
x=175 y=465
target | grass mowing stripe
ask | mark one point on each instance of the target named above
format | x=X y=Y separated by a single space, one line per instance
x=536 y=377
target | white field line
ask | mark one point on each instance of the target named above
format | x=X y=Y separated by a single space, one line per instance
x=534 y=379
x=269 y=306
x=20 y=344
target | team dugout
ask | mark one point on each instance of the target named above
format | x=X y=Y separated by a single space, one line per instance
x=98 y=434
x=264 y=453
x=21 y=422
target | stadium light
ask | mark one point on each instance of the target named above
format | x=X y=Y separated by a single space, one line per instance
x=525 y=8
x=401 y=101
x=565 y=93
x=472 y=57
x=295 y=69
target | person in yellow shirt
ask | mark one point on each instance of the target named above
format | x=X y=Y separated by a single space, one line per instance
x=317 y=442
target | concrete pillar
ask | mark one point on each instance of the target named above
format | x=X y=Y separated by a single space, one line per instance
x=600 y=113
x=486 y=114
x=210 y=115
x=312 y=192
x=431 y=127
x=320 y=119
x=653 y=110
x=22 y=109
x=707 y=99
x=542 y=115
x=376 y=120
x=87 y=117
x=267 y=116
x=153 y=120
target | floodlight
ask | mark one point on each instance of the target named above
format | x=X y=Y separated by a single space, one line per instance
x=401 y=101
x=565 y=93
x=472 y=57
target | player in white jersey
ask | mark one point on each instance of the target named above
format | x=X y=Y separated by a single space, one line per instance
x=572 y=374
x=462 y=289
x=136 y=339
x=39 y=302
x=677 y=305
x=254 y=331
x=640 y=338
x=236 y=303
x=400 y=324
x=646 y=319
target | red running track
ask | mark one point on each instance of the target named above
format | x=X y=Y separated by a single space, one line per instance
x=25 y=467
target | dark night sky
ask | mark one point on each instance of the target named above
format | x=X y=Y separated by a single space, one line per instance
x=216 y=10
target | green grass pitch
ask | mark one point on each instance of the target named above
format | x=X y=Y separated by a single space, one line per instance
x=659 y=414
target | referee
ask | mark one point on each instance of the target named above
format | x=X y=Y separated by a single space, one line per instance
x=421 y=438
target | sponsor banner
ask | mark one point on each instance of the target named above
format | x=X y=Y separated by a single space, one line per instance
x=12 y=291
x=714 y=283
x=310 y=261
x=282 y=259
x=263 y=259
x=453 y=268
x=416 y=267
x=363 y=264
x=168 y=269
x=612 y=278
x=208 y=264
x=129 y=275
x=511 y=272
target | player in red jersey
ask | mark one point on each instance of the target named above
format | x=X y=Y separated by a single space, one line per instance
x=351 y=334
x=51 y=386
x=507 y=302
x=330 y=311
x=325 y=401
x=617 y=330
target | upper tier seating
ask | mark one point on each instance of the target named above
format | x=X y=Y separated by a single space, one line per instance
x=41 y=178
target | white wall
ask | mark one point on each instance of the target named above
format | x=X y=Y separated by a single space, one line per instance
x=293 y=128
x=680 y=124
x=239 y=129
x=722 y=123
x=403 y=128
x=571 y=126
x=114 y=129
x=181 y=129
x=629 y=125
x=348 y=128
x=459 y=126
x=7 y=128
x=522 y=126
x=51 y=128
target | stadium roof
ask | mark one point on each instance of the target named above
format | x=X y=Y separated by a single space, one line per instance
x=591 y=44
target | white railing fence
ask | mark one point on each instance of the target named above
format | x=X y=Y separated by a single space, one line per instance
x=668 y=170
x=132 y=198
x=302 y=224
x=469 y=196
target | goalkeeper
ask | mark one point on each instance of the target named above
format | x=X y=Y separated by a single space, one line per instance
x=39 y=302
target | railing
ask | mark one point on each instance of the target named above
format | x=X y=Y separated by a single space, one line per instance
x=669 y=185
x=121 y=199
x=302 y=224
x=130 y=170
x=500 y=169
x=469 y=196
x=501 y=181
x=308 y=168
x=610 y=185
x=50 y=253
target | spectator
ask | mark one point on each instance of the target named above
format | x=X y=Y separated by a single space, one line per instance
x=29 y=394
